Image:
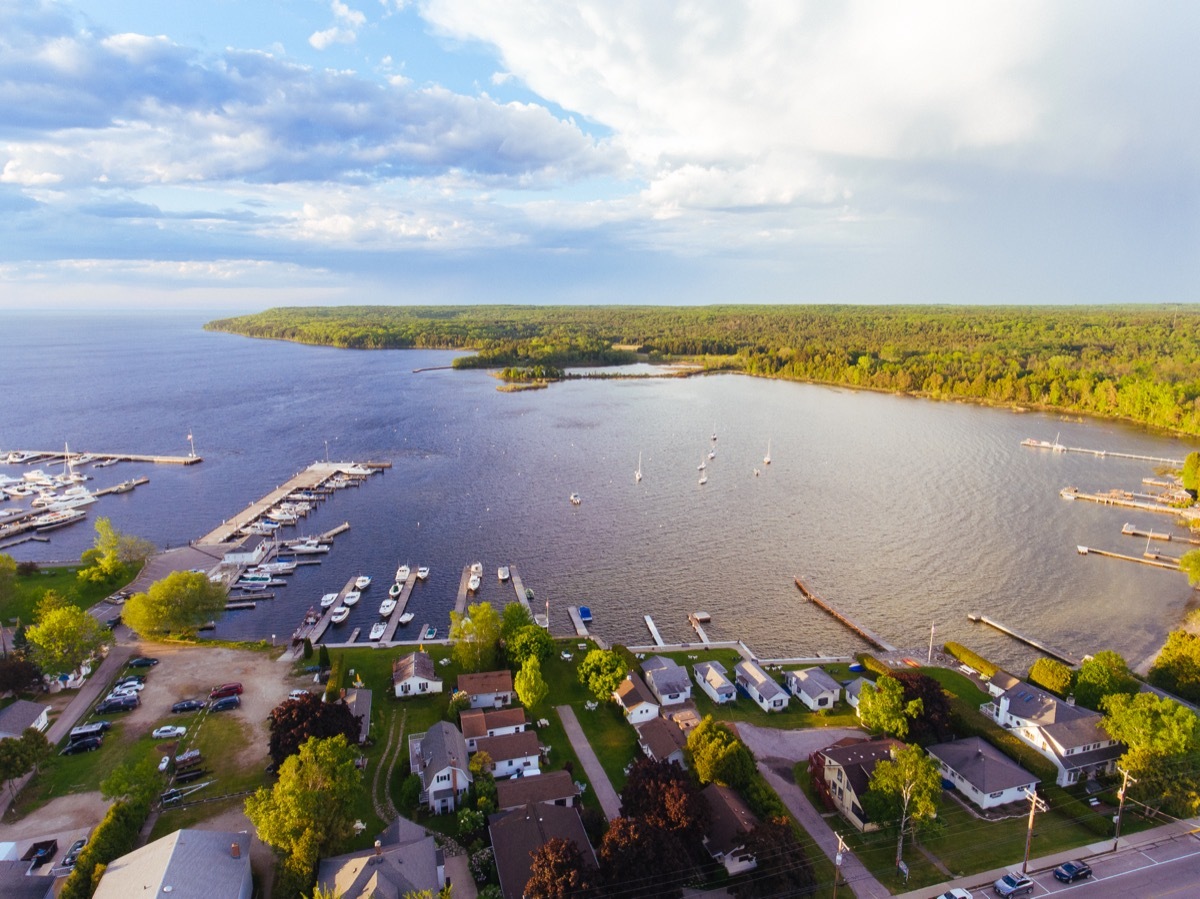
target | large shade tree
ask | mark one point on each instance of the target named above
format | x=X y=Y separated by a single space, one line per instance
x=717 y=756
x=663 y=794
x=476 y=637
x=602 y=671
x=1102 y=675
x=884 y=708
x=295 y=721
x=559 y=871
x=113 y=555
x=904 y=792
x=179 y=603
x=1162 y=740
x=64 y=637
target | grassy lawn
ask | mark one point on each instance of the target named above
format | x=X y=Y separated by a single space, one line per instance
x=28 y=590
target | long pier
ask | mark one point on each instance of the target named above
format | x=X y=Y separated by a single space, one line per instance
x=515 y=578
x=1036 y=644
x=60 y=456
x=1103 y=454
x=1154 y=559
x=658 y=640
x=401 y=605
x=322 y=625
x=123 y=487
x=460 y=603
x=870 y=636
x=1130 y=530
x=1125 y=500
x=695 y=620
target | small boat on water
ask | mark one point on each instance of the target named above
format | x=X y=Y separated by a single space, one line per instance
x=502 y=573
x=273 y=568
x=328 y=599
x=576 y=499
x=395 y=589
x=352 y=597
x=377 y=630
x=430 y=633
x=405 y=618
x=340 y=614
x=283 y=517
x=473 y=583
x=422 y=573
x=701 y=466
x=637 y=473
x=703 y=478
x=387 y=607
x=585 y=614
x=52 y=520
x=105 y=463
x=362 y=582
x=477 y=568
x=767 y=457
x=261 y=577
x=307 y=546
x=402 y=573
x=712 y=454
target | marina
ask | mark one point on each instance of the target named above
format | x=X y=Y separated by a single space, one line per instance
x=29 y=457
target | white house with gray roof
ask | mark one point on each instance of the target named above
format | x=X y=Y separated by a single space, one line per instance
x=667 y=680
x=714 y=681
x=439 y=757
x=188 y=864
x=981 y=772
x=814 y=687
x=760 y=686
x=21 y=715
x=854 y=691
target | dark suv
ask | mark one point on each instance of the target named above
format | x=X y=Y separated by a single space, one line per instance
x=225 y=703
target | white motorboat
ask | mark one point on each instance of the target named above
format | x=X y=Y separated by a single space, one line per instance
x=352 y=597
x=340 y=614
x=477 y=568
x=273 y=568
x=52 y=520
x=387 y=607
x=402 y=573
x=422 y=573
x=282 y=516
x=473 y=583
x=71 y=502
x=362 y=582
x=328 y=599
x=405 y=618
x=502 y=573
x=259 y=577
x=576 y=499
x=105 y=463
x=701 y=466
x=703 y=478
x=377 y=630
x=307 y=546
x=394 y=590
x=712 y=454
x=37 y=476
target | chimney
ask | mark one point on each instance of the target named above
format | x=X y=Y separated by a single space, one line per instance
x=235 y=850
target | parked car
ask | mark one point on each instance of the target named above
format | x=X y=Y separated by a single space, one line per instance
x=225 y=703
x=168 y=731
x=89 y=744
x=1014 y=883
x=83 y=731
x=225 y=690
x=112 y=623
x=298 y=694
x=117 y=704
x=121 y=694
x=142 y=662
x=1069 y=872
x=132 y=679
x=956 y=893
x=72 y=855
x=188 y=705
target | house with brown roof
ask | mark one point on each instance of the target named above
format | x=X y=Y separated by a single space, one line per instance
x=636 y=700
x=512 y=755
x=487 y=689
x=415 y=675
x=517 y=834
x=478 y=723
x=662 y=741
x=846 y=771
x=550 y=787
x=731 y=821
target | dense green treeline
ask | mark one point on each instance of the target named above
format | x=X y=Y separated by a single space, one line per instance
x=1139 y=363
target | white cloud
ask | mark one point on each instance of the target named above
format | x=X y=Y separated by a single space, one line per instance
x=345 y=31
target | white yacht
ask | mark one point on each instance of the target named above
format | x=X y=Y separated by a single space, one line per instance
x=473 y=583
x=502 y=573
x=362 y=582
x=328 y=599
x=340 y=614
x=307 y=546
x=377 y=630
x=387 y=607
x=51 y=520
x=422 y=573
x=351 y=598
x=402 y=573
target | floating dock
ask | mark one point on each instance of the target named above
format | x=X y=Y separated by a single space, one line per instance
x=1126 y=500
x=401 y=604
x=460 y=604
x=658 y=640
x=318 y=630
x=1103 y=454
x=515 y=579
x=123 y=487
x=61 y=456
x=697 y=620
x=1130 y=531
x=870 y=636
x=1036 y=644
x=1151 y=558
x=580 y=628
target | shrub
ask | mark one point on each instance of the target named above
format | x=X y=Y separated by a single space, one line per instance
x=873 y=664
x=337 y=677
x=115 y=836
x=308 y=649
x=1052 y=675
x=763 y=801
x=971 y=659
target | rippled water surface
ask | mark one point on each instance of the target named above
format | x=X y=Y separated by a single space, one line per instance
x=900 y=512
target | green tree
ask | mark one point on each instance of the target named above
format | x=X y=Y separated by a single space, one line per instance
x=1102 y=675
x=15 y=762
x=1162 y=740
x=883 y=708
x=1052 y=675
x=310 y=810
x=139 y=781
x=64 y=638
x=528 y=641
x=37 y=747
x=476 y=637
x=906 y=791
x=514 y=617
x=8 y=579
x=178 y=604
x=113 y=554
x=530 y=685
x=1189 y=564
x=1191 y=473
x=717 y=756
x=1177 y=668
x=602 y=671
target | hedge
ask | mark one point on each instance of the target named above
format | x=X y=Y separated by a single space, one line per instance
x=873 y=664
x=115 y=836
x=971 y=659
x=337 y=677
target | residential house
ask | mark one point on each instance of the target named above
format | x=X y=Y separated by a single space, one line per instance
x=439 y=756
x=845 y=771
x=1000 y=683
x=550 y=787
x=478 y=723
x=512 y=755
x=854 y=691
x=359 y=701
x=1069 y=736
x=731 y=821
x=814 y=687
x=17 y=883
x=760 y=686
x=636 y=700
x=517 y=834
x=20 y=715
x=415 y=675
x=662 y=741
x=713 y=680
x=981 y=772
x=487 y=689
x=187 y=864
x=405 y=861
x=667 y=680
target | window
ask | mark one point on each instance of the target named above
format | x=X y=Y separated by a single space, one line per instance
x=442 y=778
x=405 y=688
x=839 y=775
x=423 y=687
x=995 y=795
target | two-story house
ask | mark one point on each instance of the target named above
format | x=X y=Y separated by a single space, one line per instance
x=439 y=756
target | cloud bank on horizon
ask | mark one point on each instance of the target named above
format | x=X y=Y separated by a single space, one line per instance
x=251 y=153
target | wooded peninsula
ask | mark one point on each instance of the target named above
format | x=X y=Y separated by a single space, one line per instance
x=1137 y=363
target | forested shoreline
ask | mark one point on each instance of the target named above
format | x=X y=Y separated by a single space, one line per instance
x=1137 y=363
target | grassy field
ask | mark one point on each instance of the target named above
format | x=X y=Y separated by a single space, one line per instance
x=28 y=590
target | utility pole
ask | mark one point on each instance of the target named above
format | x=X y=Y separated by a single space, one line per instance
x=929 y=658
x=837 y=871
x=1035 y=805
x=1127 y=780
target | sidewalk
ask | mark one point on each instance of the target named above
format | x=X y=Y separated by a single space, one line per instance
x=609 y=801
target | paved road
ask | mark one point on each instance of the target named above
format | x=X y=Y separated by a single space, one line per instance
x=609 y=801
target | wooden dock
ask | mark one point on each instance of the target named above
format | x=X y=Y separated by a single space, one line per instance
x=658 y=640
x=322 y=625
x=515 y=578
x=1036 y=644
x=333 y=532
x=354 y=635
x=401 y=604
x=580 y=628
x=60 y=456
x=1130 y=531
x=1103 y=454
x=1126 y=500
x=460 y=603
x=123 y=487
x=694 y=620
x=1151 y=558
x=870 y=636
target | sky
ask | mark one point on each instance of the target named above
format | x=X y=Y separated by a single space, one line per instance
x=241 y=154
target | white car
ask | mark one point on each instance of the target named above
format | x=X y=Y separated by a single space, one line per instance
x=298 y=694
x=168 y=732
x=136 y=686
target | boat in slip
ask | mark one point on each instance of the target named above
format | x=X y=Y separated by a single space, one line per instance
x=273 y=568
x=422 y=573
x=377 y=630
x=387 y=607
x=261 y=577
x=585 y=614
x=352 y=597
x=307 y=546
x=395 y=589
x=502 y=573
x=340 y=614
x=402 y=573
x=473 y=583
x=52 y=520
x=362 y=582
x=328 y=599
x=430 y=633
x=477 y=568
x=283 y=517
x=405 y=618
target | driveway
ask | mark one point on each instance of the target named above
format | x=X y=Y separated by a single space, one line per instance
x=609 y=801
